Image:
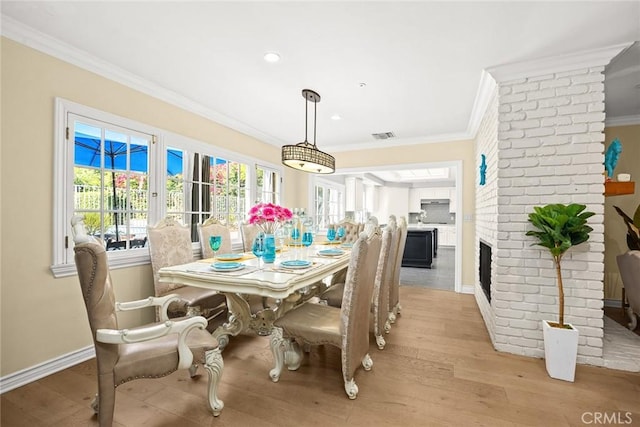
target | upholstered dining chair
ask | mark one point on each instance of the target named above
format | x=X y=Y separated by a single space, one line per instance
x=150 y=351
x=248 y=233
x=352 y=230
x=170 y=244
x=213 y=227
x=394 y=288
x=371 y=226
x=384 y=275
x=346 y=328
x=629 y=266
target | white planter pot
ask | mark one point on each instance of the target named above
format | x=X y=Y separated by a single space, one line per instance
x=560 y=351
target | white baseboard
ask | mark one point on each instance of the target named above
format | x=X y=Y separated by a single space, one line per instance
x=34 y=373
x=468 y=289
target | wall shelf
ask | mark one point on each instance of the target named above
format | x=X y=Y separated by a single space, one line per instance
x=616 y=188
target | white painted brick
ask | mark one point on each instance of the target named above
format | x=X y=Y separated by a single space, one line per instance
x=585 y=360
x=505 y=108
x=596 y=87
x=525 y=124
x=508 y=331
x=517 y=133
x=504 y=144
x=595 y=106
x=556 y=121
x=556 y=140
x=555 y=83
x=554 y=161
x=572 y=90
x=525 y=87
x=587 y=98
x=524 y=106
x=511 y=154
x=544 y=131
x=504 y=90
x=510 y=173
x=523 y=163
x=588 y=78
x=588 y=117
x=523 y=306
x=576 y=128
x=555 y=180
x=510 y=314
x=523 y=324
x=517 y=97
x=523 y=342
x=541 y=151
x=571 y=73
x=540 y=94
x=503 y=127
x=596 y=127
x=595 y=304
x=554 y=102
x=540 y=78
x=588 y=137
x=541 y=112
x=589 y=158
x=572 y=109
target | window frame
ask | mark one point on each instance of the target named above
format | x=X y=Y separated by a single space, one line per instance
x=62 y=244
x=325 y=184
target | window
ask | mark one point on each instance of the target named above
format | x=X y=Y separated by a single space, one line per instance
x=268 y=185
x=122 y=175
x=328 y=202
x=110 y=181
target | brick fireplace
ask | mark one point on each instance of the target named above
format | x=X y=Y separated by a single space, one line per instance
x=542 y=135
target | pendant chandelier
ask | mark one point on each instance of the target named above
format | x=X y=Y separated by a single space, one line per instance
x=305 y=156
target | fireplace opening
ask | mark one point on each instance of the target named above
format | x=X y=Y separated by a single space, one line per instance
x=485 y=269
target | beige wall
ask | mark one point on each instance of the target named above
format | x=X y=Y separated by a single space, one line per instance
x=42 y=317
x=427 y=153
x=614 y=229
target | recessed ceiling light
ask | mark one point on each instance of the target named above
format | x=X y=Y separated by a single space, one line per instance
x=362 y=84
x=336 y=117
x=271 y=57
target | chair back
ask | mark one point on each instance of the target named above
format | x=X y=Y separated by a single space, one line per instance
x=97 y=291
x=394 y=290
x=629 y=266
x=356 y=303
x=213 y=227
x=169 y=244
x=249 y=233
x=352 y=230
x=372 y=226
x=384 y=276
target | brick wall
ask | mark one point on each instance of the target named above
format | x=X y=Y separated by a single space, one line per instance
x=487 y=203
x=549 y=149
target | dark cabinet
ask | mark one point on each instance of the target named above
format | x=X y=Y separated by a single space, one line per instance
x=419 y=248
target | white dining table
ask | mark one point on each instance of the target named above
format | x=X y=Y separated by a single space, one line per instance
x=288 y=287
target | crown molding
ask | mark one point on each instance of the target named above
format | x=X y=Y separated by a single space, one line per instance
x=34 y=39
x=556 y=64
x=483 y=96
x=622 y=121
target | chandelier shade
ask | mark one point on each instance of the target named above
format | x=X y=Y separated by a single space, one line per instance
x=305 y=156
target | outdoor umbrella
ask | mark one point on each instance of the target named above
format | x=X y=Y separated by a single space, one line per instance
x=87 y=152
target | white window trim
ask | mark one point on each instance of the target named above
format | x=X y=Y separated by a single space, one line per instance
x=61 y=266
x=317 y=180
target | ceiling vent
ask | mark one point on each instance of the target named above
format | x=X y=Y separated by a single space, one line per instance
x=383 y=135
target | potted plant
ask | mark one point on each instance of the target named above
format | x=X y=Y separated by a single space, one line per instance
x=559 y=228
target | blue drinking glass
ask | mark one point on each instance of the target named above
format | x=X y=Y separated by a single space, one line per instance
x=331 y=234
x=340 y=233
x=258 y=248
x=307 y=238
x=215 y=242
x=295 y=235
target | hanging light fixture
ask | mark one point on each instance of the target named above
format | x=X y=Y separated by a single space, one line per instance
x=305 y=156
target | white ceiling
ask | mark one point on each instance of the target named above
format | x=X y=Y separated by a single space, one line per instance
x=422 y=61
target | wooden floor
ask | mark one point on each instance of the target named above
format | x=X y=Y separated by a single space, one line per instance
x=439 y=368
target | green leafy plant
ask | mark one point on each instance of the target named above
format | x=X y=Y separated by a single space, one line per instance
x=560 y=227
x=633 y=228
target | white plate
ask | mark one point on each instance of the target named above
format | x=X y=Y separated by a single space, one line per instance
x=330 y=252
x=227 y=266
x=297 y=263
x=229 y=257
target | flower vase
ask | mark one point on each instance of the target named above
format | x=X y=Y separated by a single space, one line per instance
x=270 y=249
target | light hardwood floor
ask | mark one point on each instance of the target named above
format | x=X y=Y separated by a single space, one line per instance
x=439 y=368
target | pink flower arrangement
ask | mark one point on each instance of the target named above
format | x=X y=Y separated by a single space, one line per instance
x=269 y=216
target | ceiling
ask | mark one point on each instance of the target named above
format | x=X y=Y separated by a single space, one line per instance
x=411 y=68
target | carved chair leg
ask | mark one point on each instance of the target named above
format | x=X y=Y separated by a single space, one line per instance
x=95 y=405
x=106 y=399
x=192 y=370
x=367 y=362
x=380 y=342
x=351 y=388
x=214 y=365
x=633 y=319
x=292 y=354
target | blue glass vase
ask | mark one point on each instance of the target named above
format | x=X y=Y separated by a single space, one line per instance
x=270 y=249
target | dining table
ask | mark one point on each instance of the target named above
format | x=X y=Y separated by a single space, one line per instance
x=295 y=277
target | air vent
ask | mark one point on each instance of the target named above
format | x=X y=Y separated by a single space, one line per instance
x=383 y=135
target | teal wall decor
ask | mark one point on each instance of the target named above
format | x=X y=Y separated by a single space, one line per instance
x=483 y=169
x=611 y=156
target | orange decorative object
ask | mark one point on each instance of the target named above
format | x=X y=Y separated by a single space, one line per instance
x=616 y=188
